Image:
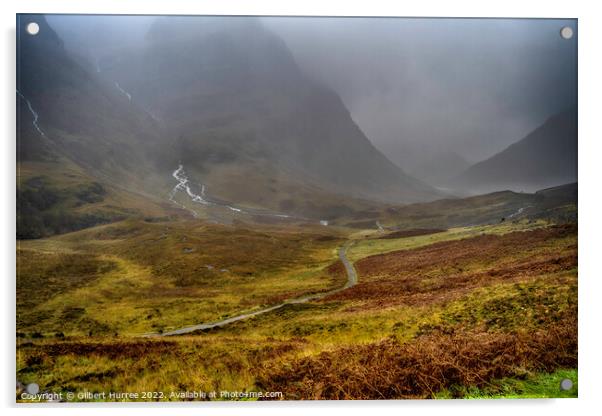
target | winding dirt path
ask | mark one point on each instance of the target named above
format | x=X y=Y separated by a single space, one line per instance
x=351 y=281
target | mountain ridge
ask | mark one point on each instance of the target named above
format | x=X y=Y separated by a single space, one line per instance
x=235 y=95
x=546 y=157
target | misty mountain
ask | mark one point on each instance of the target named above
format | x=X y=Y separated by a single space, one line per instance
x=430 y=163
x=103 y=125
x=473 y=86
x=544 y=158
x=85 y=153
x=438 y=166
x=246 y=120
x=83 y=118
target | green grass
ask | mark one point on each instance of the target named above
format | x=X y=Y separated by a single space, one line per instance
x=370 y=246
x=522 y=305
x=534 y=386
x=56 y=198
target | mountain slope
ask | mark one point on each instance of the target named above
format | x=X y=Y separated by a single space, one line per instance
x=544 y=158
x=233 y=99
x=81 y=117
x=85 y=155
x=427 y=162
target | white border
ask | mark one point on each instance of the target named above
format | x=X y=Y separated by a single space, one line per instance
x=590 y=233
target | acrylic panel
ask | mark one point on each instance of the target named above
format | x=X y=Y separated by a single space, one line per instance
x=295 y=208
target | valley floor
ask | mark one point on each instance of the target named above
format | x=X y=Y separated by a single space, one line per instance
x=474 y=312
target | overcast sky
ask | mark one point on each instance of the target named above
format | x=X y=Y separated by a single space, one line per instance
x=473 y=86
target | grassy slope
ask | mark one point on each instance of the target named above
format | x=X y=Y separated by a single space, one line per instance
x=278 y=190
x=456 y=212
x=554 y=204
x=136 y=277
x=55 y=197
x=376 y=245
x=250 y=354
x=509 y=299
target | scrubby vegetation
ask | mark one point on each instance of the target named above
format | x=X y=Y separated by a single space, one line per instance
x=44 y=209
x=483 y=311
x=552 y=205
x=438 y=361
x=136 y=277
